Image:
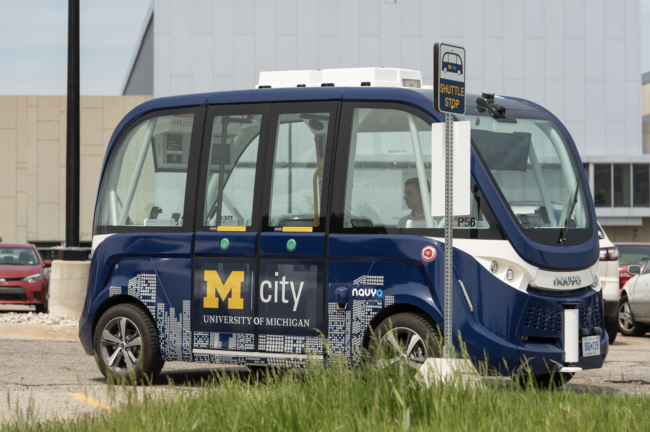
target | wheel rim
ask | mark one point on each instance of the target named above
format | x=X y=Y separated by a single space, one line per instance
x=121 y=345
x=625 y=317
x=403 y=346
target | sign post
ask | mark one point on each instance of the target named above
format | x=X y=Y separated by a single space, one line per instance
x=449 y=98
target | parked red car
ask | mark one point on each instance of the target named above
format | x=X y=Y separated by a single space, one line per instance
x=23 y=276
x=632 y=257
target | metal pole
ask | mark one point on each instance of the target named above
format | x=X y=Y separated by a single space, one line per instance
x=72 y=132
x=449 y=233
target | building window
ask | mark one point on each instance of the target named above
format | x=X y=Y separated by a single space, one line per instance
x=641 y=185
x=603 y=185
x=622 y=189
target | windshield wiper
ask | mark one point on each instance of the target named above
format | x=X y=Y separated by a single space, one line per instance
x=567 y=225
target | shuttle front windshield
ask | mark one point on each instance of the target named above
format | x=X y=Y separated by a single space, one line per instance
x=535 y=171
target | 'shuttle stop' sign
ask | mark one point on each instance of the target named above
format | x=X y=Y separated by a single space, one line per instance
x=449 y=78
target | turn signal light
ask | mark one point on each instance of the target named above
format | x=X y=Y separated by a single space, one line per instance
x=428 y=253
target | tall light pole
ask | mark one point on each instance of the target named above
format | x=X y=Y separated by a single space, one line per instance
x=72 y=133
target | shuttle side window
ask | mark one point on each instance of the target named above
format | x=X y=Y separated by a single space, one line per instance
x=299 y=169
x=145 y=180
x=383 y=188
x=230 y=182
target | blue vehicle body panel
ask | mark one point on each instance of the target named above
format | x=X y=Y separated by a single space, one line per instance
x=379 y=271
x=156 y=270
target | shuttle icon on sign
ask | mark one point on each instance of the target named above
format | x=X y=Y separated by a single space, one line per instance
x=452 y=63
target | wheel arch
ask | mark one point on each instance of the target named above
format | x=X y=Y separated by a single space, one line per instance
x=114 y=301
x=393 y=310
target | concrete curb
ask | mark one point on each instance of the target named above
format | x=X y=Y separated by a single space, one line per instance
x=38 y=332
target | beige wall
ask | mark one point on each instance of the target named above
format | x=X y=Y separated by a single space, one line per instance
x=33 y=159
x=639 y=234
x=645 y=99
x=646 y=137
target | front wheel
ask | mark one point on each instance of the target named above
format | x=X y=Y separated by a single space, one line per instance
x=404 y=338
x=126 y=344
x=44 y=307
x=626 y=324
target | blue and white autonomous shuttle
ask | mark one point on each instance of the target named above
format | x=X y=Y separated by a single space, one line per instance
x=255 y=227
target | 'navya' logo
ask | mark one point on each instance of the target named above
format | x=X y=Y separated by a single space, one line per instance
x=367 y=292
x=232 y=287
x=566 y=280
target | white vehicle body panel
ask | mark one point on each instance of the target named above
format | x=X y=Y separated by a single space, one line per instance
x=502 y=252
x=637 y=290
x=608 y=272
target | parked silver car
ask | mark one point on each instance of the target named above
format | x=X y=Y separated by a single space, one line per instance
x=634 y=305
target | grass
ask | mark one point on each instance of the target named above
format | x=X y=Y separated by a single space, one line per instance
x=365 y=399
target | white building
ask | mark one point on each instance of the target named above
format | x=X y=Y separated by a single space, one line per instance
x=578 y=58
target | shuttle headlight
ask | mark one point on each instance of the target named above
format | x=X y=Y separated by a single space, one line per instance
x=494 y=267
x=510 y=274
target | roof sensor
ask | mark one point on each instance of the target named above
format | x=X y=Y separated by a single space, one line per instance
x=486 y=103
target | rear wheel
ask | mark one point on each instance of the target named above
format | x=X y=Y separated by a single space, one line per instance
x=611 y=327
x=626 y=324
x=404 y=338
x=126 y=344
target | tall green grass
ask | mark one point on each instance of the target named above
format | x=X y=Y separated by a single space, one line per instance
x=363 y=399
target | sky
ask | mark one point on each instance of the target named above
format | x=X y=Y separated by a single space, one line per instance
x=33 y=44
x=34 y=39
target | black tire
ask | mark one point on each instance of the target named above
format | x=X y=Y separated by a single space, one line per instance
x=611 y=327
x=138 y=322
x=403 y=326
x=44 y=307
x=625 y=320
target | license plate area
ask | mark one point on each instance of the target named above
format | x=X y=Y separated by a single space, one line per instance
x=590 y=346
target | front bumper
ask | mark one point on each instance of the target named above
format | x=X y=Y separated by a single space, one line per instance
x=541 y=333
x=23 y=293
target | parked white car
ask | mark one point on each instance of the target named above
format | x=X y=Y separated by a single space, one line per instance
x=608 y=274
x=634 y=305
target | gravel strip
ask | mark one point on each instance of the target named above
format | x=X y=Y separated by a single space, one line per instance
x=38 y=319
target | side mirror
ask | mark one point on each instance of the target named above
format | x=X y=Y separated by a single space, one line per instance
x=341 y=294
x=47 y=263
x=634 y=269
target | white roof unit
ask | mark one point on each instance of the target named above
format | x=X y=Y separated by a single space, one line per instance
x=353 y=77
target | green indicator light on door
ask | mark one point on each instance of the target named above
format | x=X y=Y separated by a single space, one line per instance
x=225 y=243
x=291 y=245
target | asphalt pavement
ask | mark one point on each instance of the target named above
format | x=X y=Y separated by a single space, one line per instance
x=57 y=379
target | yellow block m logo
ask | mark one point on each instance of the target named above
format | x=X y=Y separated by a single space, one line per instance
x=232 y=286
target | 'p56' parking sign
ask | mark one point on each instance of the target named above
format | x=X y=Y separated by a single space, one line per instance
x=449 y=78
